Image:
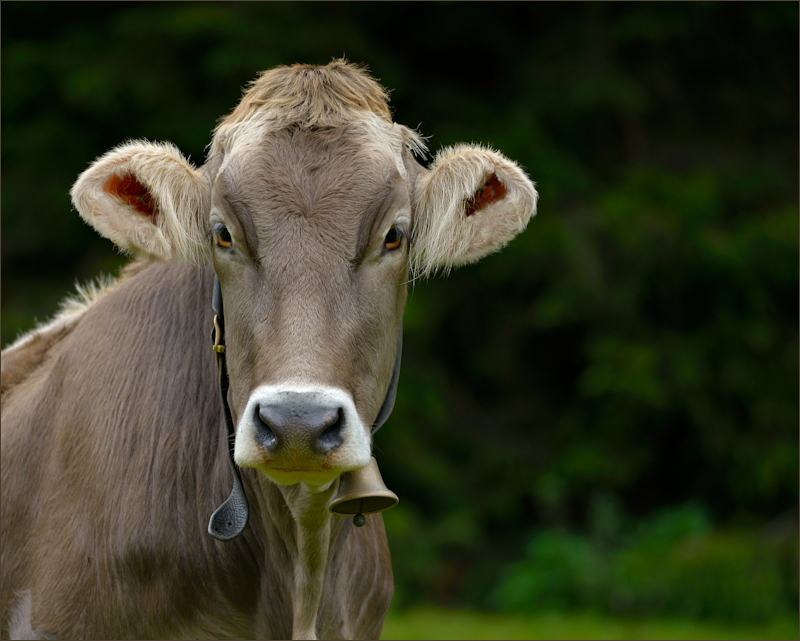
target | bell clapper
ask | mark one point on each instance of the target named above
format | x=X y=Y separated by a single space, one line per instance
x=359 y=519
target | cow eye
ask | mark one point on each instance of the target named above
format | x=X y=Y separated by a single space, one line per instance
x=393 y=239
x=224 y=239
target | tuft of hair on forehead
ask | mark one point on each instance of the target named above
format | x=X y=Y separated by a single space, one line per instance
x=310 y=95
x=327 y=96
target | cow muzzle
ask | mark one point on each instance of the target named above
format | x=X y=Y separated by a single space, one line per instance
x=309 y=434
x=300 y=422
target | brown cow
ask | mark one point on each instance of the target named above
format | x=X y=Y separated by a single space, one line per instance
x=312 y=213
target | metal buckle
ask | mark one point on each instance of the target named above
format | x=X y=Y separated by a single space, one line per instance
x=218 y=347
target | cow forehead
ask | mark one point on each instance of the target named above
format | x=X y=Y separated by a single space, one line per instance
x=375 y=135
x=332 y=184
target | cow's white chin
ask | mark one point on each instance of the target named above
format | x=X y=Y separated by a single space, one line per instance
x=283 y=473
x=315 y=478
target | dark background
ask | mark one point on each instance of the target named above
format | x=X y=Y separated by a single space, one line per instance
x=613 y=397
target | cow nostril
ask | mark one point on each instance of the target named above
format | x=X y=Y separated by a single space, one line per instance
x=299 y=425
x=331 y=437
x=264 y=423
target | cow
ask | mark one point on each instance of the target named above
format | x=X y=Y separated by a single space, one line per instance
x=305 y=224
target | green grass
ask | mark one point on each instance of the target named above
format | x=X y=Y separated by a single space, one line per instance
x=437 y=623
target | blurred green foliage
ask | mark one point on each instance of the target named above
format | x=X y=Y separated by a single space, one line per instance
x=670 y=564
x=635 y=349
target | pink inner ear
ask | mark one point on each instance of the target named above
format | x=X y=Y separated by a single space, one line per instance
x=134 y=193
x=492 y=191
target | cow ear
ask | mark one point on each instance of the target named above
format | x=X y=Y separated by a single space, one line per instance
x=470 y=204
x=147 y=199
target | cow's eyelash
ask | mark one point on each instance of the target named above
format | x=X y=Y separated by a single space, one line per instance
x=215 y=229
x=403 y=230
x=219 y=232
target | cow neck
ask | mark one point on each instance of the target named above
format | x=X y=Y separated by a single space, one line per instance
x=230 y=519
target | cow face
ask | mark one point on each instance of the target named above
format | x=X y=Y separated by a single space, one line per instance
x=312 y=223
x=310 y=237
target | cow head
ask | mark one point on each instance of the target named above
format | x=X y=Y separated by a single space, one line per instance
x=314 y=213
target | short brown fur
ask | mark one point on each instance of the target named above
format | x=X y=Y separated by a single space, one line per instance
x=309 y=95
x=117 y=419
x=113 y=456
x=152 y=565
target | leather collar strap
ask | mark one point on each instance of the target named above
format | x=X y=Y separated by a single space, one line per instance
x=230 y=519
x=391 y=393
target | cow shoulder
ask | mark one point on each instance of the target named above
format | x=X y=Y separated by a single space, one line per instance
x=33 y=349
